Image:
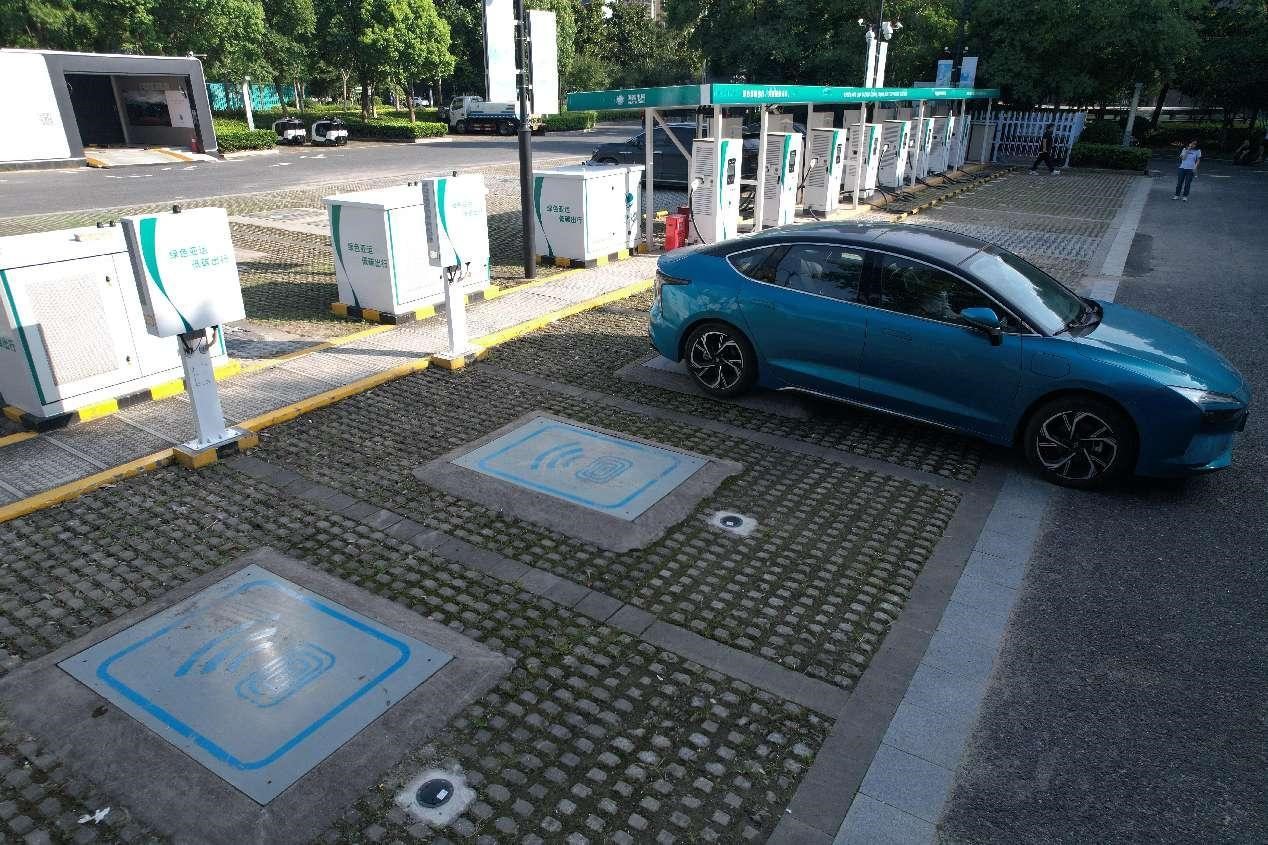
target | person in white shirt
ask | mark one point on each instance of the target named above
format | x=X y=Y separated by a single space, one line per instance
x=1189 y=158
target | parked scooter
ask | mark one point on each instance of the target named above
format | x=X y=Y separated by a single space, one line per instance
x=330 y=131
x=290 y=130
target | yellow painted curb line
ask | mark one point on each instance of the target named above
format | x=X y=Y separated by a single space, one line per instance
x=321 y=400
x=10 y=439
x=170 y=153
x=87 y=484
x=519 y=330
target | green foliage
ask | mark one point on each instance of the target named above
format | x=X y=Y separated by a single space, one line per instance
x=384 y=41
x=1231 y=67
x=466 y=38
x=1109 y=156
x=1080 y=52
x=392 y=125
x=640 y=51
x=1102 y=132
x=1210 y=136
x=570 y=120
x=289 y=26
x=233 y=135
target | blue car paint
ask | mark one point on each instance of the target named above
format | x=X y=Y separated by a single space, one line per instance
x=952 y=376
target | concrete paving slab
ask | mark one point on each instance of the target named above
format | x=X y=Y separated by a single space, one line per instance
x=873 y=822
x=907 y=782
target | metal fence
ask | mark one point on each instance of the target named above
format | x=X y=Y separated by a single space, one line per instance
x=1017 y=133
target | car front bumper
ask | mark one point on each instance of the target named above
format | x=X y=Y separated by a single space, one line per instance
x=1209 y=447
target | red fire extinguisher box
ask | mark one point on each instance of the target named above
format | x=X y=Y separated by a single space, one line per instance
x=675 y=231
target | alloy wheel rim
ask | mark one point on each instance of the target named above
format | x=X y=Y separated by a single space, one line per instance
x=1076 y=445
x=716 y=360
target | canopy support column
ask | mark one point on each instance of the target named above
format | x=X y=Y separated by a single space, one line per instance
x=758 y=204
x=920 y=141
x=988 y=137
x=649 y=189
x=858 y=164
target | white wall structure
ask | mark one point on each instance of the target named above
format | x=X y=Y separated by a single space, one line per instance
x=34 y=130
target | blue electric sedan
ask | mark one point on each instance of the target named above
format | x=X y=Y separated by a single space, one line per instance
x=949 y=330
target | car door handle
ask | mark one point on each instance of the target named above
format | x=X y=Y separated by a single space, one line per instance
x=897 y=335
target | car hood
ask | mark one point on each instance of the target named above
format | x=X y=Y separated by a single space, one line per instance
x=1182 y=358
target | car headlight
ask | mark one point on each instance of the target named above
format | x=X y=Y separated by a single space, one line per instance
x=1218 y=409
x=1208 y=399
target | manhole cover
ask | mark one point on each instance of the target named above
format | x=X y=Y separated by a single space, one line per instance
x=434 y=793
x=734 y=523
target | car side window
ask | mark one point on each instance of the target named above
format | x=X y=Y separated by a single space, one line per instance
x=755 y=263
x=821 y=269
x=910 y=287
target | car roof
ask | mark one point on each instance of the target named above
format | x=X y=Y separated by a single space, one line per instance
x=921 y=241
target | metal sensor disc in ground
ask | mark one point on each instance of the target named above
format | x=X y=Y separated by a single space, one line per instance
x=734 y=523
x=434 y=793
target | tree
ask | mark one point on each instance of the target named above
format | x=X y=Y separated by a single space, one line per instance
x=1229 y=67
x=289 y=26
x=383 y=41
x=643 y=52
x=116 y=26
x=1080 y=52
x=466 y=38
x=230 y=33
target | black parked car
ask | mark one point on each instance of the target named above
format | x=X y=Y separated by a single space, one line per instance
x=751 y=131
x=670 y=165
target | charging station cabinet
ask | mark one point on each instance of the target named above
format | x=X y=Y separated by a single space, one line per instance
x=715 y=193
x=72 y=329
x=779 y=194
x=582 y=213
x=960 y=142
x=384 y=243
x=823 y=180
x=892 y=169
x=862 y=149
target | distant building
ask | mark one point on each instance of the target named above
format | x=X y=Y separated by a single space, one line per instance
x=56 y=104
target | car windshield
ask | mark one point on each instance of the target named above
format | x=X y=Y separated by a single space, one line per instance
x=1047 y=302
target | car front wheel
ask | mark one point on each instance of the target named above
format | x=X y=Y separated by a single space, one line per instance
x=1080 y=442
x=721 y=360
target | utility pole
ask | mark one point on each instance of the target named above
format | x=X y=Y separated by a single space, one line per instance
x=526 y=142
x=966 y=9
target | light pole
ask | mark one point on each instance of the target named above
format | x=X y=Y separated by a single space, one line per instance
x=525 y=141
x=878 y=36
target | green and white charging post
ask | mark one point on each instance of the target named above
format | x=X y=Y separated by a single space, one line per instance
x=720 y=95
x=187 y=277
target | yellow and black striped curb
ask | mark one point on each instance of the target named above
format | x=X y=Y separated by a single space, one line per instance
x=578 y=264
x=199 y=458
x=387 y=318
x=30 y=422
x=445 y=361
x=255 y=425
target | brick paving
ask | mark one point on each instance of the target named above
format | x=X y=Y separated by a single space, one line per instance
x=598 y=734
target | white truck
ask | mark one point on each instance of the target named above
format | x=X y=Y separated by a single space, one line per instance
x=468 y=114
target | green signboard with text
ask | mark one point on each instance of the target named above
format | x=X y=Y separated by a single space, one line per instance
x=744 y=93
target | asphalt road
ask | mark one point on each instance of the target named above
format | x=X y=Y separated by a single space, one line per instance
x=1129 y=701
x=86 y=188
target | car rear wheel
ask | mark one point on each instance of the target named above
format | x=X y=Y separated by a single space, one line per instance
x=721 y=360
x=1081 y=442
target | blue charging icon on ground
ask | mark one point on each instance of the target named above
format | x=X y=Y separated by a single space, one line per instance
x=255 y=677
x=613 y=475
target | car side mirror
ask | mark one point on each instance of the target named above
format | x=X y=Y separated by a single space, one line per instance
x=986 y=320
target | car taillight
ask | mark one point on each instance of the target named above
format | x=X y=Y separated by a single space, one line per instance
x=661 y=280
